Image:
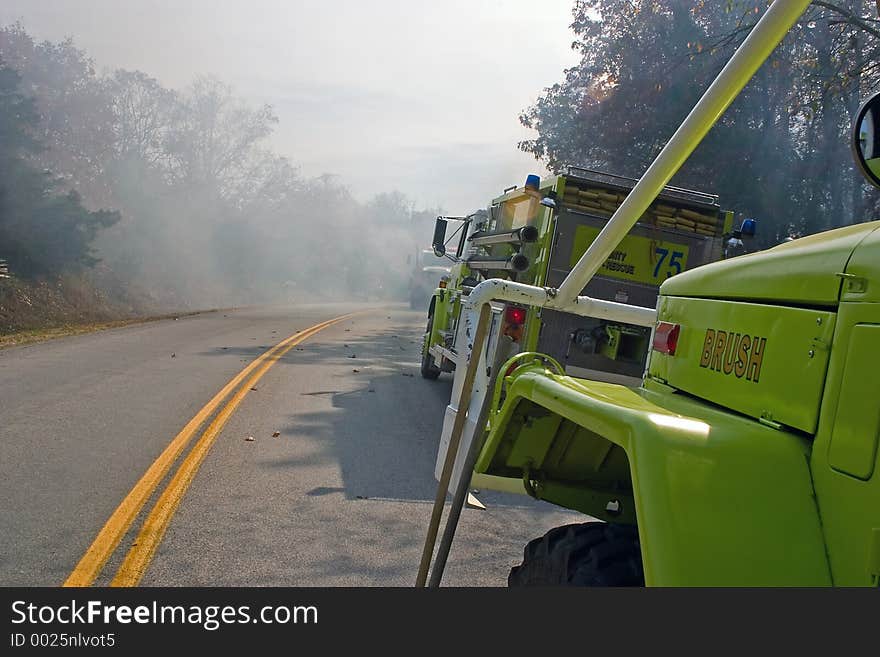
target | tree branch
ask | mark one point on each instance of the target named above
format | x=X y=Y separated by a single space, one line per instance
x=849 y=16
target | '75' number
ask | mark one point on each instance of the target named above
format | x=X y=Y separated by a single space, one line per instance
x=674 y=262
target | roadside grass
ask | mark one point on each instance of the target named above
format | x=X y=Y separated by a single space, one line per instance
x=30 y=336
x=36 y=310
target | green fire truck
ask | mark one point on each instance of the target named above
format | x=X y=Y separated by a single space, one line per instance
x=535 y=234
x=748 y=453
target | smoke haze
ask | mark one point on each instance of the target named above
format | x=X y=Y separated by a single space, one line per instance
x=245 y=152
x=386 y=94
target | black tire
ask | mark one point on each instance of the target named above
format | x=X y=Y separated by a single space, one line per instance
x=588 y=554
x=429 y=368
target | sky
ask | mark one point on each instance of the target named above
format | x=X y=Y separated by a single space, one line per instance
x=418 y=96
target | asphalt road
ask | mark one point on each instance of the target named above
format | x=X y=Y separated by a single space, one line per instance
x=340 y=497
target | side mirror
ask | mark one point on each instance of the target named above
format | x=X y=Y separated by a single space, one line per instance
x=439 y=238
x=865 y=141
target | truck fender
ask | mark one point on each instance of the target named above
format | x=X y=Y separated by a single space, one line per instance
x=720 y=499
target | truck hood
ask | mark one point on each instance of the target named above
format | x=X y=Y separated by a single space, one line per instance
x=804 y=272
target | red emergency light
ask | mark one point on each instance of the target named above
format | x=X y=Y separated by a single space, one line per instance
x=512 y=326
x=515 y=315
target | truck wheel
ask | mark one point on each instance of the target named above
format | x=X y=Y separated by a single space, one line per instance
x=429 y=368
x=587 y=554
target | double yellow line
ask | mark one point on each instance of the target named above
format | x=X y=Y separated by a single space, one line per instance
x=153 y=529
